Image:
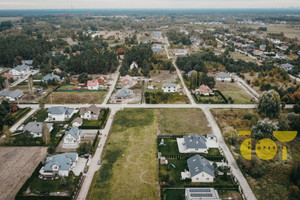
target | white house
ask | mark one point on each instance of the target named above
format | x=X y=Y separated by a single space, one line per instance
x=72 y=137
x=12 y=95
x=224 y=77
x=77 y=122
x=196 y=143
x=134 y=65
x=90 y=113
x=201 y=193
x=36 y=128
x=59 y=113
x=169 y=87
x=59 y=165
x=93 y=85
x=20 y=70
x=200 y=170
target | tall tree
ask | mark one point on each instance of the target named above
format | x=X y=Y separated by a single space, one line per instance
x=46 y=133
x=269 y=104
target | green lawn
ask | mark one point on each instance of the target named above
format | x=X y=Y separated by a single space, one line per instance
x=96 y=124
x=129 y=169
x=233 y=90
x=20 y=114
x=39 y=116
x=171 y=194
x=240 y=56
x=177 y=121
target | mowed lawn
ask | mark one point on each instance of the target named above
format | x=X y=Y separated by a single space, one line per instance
x=176 y=121
x=233 y=90
x=129 y=170
x=76 y=97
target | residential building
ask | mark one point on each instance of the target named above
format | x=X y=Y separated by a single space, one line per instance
x=36 y=128
x=124 y=94
x=59 y=113
x=59 y=165
x=180 y=52
x=195 y=143
x=8 y=76
x=93 y=85
x=287 y=66
x=224 y=77
x=27 y=62
x=279 y=56
x=72 y=137
x=51 y=77
x=127 y=81
x=200 y=170
x=77 y=122
x=202 y=193
x=90 y=113
x=57 y=70
x=204 y=90
x=169 y=87
x=12 y=95
x=134 y=65
x=156 y=48
x=262 y=47
x=101 y=80
x=20 y=70
x=157 y=36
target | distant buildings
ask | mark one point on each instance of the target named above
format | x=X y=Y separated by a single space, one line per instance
x=133 y=65
x=124 y=94
x=204 y=90
x=196 y=143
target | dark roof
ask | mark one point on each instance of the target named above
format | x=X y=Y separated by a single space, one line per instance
x=198 y=164
x=195 y=141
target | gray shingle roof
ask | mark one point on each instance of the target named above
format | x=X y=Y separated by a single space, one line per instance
x=22 y=68
x=50 y=77
x=169 y=85
x=63 y=161
x=224 y=75
x=35 y=127
x=198 y=164
x=12 y=94
x=124 y=93
x=74 y=131
x=195 y=141
x=287 y=66
x=60 y=110
x=157 y=34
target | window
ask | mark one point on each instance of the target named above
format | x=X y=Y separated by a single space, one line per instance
x=197 y=179
x=207 y=179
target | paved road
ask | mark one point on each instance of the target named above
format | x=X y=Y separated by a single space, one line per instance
x=23 y=79
x=113 y=85
x=16 y=125
x=231 y=161
x=250 y=89
x=94 y=162
x=293 y=77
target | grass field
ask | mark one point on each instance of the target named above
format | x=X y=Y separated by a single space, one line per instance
x=16 y=166
x=237 y=56
x=234 y=91
x=288 y=32
x=129 y=169
x=182 y=121
x=76 y=97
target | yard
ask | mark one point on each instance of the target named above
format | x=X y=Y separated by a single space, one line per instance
x=240 y=56
x=76 y=97
x=16 y=166
x=177 y=121
x=216 y=98
x=259 y=173
x=39 y=116
x=238 y=94
x=129 y=169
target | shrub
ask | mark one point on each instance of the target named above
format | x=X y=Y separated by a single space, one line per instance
x=264 y=128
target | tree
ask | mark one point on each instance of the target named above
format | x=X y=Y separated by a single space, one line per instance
x=269 y=104
x=46 y=133
x=30 y=84
x=264 y=128
x=51 y=149
x=283 y=122
x=7 y=134
x=84 y=148
x=63 y=182
x=41 y=103
x=83 y=78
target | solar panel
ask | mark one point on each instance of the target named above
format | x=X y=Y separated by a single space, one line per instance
x=200 y=190
x=201 y=195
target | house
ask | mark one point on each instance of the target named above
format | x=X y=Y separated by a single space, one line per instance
x=20 y=70
x=93 y=85
x=77 y=122
x=59 y=165
x=124 y=94
x=72 y=137
x=189 y=74
x=258 y=52
x=200 y=170
x=57 y=70
x=27 y=62
x=217 y=52
x=262 y=47
x=126 y=81
x=59 y=113
x=224 y=77
x=287 y=66
x=279 y=56
x=12 y=95
x=156 y=35
x=195 y=143
x=204 y=90
x=134 y=65
x=36 y=128
x=169 y=87
x=8 y=76
x=90 y=113
x=180 y=52
x=202 y=193
x=156 y=48
x=101 y=80
x=51 y=77
x=238 y=44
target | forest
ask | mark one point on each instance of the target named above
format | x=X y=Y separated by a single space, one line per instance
x=178 y=38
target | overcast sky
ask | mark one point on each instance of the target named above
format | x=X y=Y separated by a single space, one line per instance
x=102 y=4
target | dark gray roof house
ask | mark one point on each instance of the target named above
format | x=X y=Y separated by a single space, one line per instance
x=60 y=110
x=195 y=141
x=51 y=77
x=12 y=95
x=64 y=161
x=74 y=132
x=223 y=75
x=124 y=93
x=287 y=66
x=169 y=85
x=198 y=164
x=36 y=127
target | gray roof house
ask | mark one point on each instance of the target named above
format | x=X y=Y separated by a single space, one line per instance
x=51 y=77
x=198 y=164
x=124 y=94
x=36 y=128
x=224 y=76
x=156 y=48
x=12 y=95
x=195 y=141
x=169 y=85
x=74 y=132
x=59 y=165
x=59 y=113
x=72 y=137
x=287 y=66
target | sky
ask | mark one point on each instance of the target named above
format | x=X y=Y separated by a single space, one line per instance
x=163 y=4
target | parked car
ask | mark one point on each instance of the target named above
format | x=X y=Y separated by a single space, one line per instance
x=99 y=162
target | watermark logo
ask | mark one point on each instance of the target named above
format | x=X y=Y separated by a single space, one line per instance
x=266 y=149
